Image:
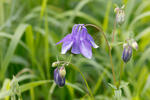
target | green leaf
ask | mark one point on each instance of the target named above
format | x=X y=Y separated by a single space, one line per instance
x=30 y=85
x=26 y=76
x=75 y=87
x=44 y=3
x=98 y=83
x=112 y=86
x=7 y=35
x=4 y=94
x=19 y=60
x=141 y=16
x=147 y=85
x=12 y=46
x=80 y=14
x=123 y=84
x=144 y=38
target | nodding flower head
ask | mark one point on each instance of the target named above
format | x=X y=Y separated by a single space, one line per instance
x=127 y=52
x=80 y=41
x=120 y=15
x=59 y=76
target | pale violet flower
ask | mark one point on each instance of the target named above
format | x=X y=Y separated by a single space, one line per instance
x=80 y=41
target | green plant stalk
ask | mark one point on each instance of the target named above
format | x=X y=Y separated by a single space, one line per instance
x=40 y=69
x=121 y=70
x=51 y=91
x=1 y=12
x=13 y=97
x=109 y=48
x=113 y=35
x=32 y=94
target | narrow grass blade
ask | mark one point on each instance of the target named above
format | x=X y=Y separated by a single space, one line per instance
x=12 y=46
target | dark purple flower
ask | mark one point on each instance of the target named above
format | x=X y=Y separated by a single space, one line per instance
x=127 y=53
x=59 y=80
x=80 y=41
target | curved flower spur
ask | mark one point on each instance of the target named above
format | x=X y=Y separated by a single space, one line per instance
x=80 y=41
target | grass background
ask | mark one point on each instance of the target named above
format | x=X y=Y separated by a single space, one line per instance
x=29 y=30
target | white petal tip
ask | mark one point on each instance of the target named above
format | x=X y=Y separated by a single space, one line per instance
x=63 y=52
x=96 y=46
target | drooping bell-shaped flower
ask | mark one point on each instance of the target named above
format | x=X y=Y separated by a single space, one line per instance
x=59 y=76
x=80 y=41
x=127 y=52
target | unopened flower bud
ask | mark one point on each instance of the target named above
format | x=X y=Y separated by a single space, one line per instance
x=55 y=64
x=60 y=81
x=127 y=52
x=116 y=9
x=62 y=72
x=120 y=15
x=135 y=45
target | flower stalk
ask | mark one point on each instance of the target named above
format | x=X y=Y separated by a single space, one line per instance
x=114 y=31
x=121 y=70
x=109 y=48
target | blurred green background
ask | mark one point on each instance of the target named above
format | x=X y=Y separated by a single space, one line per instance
x=29 y=30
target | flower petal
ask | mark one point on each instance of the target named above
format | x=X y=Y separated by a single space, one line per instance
x=67 y=37
x=66 y=46
x=92 y=41
x=75 y=36
x=75 y=47
x=83 y=34
x=56 y=75
x=75 y=30
x=85 y=49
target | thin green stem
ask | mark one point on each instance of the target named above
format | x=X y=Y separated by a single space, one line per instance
x=121 y=70
x=13 y=97
x=51 y=91
x=111 y=62
x=113 y=35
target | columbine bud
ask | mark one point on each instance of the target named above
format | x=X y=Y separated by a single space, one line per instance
x=116 y=9
x=59 y=80
x=127 y=52
x=134 y=45
x=62 y=72
x=55 y=64
x=120 y=16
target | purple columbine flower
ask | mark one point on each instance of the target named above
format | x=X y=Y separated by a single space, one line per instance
x=127 y=52
x=80 y=41
x=58 y=78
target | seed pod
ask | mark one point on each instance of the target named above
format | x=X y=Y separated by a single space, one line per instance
x=60 y=81
x=127 y=52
